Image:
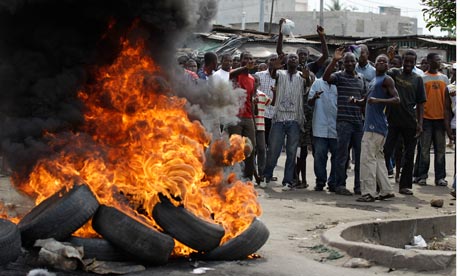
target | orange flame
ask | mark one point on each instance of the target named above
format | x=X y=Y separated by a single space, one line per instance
x=137 y=143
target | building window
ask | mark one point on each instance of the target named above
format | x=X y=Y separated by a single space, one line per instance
x=405 y=28
x=384 y=26
x=359 y=25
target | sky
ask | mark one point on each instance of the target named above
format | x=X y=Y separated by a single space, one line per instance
x=410 y=8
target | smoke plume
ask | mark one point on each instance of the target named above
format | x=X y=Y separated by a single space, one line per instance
x=50 y=47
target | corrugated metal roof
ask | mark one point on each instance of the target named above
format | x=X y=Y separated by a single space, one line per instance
x=439 y=41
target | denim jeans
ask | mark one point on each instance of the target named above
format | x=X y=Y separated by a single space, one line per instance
x=322 y=147
x=407 y=161
x=348 y=134
x=278 y=132
x=433 y=132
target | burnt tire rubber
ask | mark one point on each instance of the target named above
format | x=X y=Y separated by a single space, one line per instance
x=241 y=246
x=187 y=228
x=10 y=242
x=59 y=215
x=133 y=236
x=101 y=250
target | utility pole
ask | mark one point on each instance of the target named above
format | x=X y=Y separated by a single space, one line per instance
x=321 y=14
x=271 y=18
x=261 y=16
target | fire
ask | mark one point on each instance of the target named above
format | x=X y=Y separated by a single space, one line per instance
x=137 y=143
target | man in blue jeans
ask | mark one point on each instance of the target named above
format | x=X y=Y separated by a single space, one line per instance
x=349 y=116
x=323 y=97
x=288 y=117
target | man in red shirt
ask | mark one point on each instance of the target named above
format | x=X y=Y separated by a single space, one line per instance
x=245 y=127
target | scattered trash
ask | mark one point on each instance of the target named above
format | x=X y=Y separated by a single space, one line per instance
x=446 y=243
x=357 y=263
x=201 y=270
x=59 y=255
x=297 y=238
x=318 y=227
x=437 y=202
x=417 y=243
x=333 y=254
x=103 y=267
x=40 y=272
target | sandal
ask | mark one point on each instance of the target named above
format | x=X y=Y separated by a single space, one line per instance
x=366 y=198
x=383 y=197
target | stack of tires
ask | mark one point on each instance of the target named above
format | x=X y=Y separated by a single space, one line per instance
x=125 y=236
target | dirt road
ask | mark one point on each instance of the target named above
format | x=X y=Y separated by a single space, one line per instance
x=296 y=220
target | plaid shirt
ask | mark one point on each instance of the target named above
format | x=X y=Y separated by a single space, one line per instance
x=266 y=82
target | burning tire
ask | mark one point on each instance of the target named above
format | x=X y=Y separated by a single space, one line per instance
x=100 y=249
x=59 y=215
x=10 y=242
x=241 y=246
x=187 y=228
x=132 y=235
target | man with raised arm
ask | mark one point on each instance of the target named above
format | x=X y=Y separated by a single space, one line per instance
x=349 y=116
x=288 y=117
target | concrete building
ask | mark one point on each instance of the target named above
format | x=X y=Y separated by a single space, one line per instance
x=245 y=15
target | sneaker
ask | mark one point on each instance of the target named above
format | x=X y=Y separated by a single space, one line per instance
x=441 y=182
x=286 y=187
x=422 y=182
x=263 y=185
x=391 y=174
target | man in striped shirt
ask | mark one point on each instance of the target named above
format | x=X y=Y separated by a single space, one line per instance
x=261 y=101
x=349 y=116
x=267 y=83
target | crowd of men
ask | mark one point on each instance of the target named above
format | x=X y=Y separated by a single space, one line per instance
x=383 y=116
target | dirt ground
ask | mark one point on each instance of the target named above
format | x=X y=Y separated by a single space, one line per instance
x=296 y=220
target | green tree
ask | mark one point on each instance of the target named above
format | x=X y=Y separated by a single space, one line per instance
x=336 y=5
x=440 y=13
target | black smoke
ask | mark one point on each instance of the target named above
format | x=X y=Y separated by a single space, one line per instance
x=48 y=49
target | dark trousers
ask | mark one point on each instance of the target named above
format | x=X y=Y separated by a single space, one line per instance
x=268 y=126
x=246 y=128
x=409 y=142
x=348 y=134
